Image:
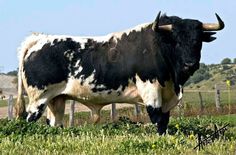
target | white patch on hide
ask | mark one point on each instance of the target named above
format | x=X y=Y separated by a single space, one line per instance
x=52 y=121
x=100 y=86
x=77 y=63
x=68 y=54
x=84 y=94
x=33 y=107
x=150 y=92
x=75 y=88
x=180 y=95
x=80 y=68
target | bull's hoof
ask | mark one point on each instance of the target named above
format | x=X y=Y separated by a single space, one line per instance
x=162 y=125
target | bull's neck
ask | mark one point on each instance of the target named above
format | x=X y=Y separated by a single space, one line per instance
x=138 y=53
x=136 y=40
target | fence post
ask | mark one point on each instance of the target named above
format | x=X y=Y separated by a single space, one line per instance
x=180 y=106
x=113 y=111
x=201 y=101
x=10 y=107
x=137 y=110
x=72 y=112
x=217 y=98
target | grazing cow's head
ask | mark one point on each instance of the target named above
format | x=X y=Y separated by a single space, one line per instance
x=180 y=41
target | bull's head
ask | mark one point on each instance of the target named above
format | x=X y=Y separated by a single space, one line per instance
x=180 y=41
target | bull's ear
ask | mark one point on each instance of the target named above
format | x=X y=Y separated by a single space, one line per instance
x=207 y=36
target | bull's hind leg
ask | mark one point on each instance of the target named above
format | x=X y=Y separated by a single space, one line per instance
x=95 y=109
x=55 y=111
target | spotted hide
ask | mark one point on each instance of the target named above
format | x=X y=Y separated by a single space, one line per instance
x=147 y=64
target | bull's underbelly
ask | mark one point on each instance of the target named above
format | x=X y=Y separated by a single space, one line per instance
x=84 y=94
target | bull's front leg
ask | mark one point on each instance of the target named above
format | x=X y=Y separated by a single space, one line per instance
x=151 y=93
x=154 y=109
x=158 y=117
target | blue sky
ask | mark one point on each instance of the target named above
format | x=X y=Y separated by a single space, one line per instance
x=99 y=17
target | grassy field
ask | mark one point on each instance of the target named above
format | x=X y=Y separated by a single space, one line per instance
x=3 y=103
x=125 y=136
x=120 y=137
x=192 y=98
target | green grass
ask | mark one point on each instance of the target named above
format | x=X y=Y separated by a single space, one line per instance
x=231 y=119
x=3 y=103
x=120 y=137
x=208 y=98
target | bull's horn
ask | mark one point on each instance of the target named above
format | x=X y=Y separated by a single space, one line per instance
x=165 y=27
x=213 y=26
x=155 y=23
x=155 y=26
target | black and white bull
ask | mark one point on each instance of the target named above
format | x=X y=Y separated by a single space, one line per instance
x=147 y=64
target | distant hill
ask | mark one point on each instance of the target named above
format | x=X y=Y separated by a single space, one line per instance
x=8 y=84
x=209 y=75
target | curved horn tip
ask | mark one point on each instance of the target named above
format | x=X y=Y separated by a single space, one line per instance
x=158 y=16
x=222 y=25
x=155 y=23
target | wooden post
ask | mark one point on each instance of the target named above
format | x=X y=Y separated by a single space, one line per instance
x=180 y=106
x=72 y=112
x=201 y=102
x=10 y=107
x=137 y=110
x=113 y=111
x=217 y=98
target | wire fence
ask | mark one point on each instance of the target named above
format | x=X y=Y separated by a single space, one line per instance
x=221 y=100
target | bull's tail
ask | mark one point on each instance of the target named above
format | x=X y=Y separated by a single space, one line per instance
x=20 y=102
x=25 y=46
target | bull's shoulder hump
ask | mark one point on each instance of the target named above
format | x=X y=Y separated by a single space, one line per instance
x=137 y=28
x=36 y=41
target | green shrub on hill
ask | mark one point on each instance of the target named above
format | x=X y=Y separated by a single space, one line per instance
x=201 y=74
x=209 y=75
x=226 y=61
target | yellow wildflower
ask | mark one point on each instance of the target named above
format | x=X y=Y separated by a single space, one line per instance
x=177 y=126
x=153 y=146
x=232 y=147
x=191 y=136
